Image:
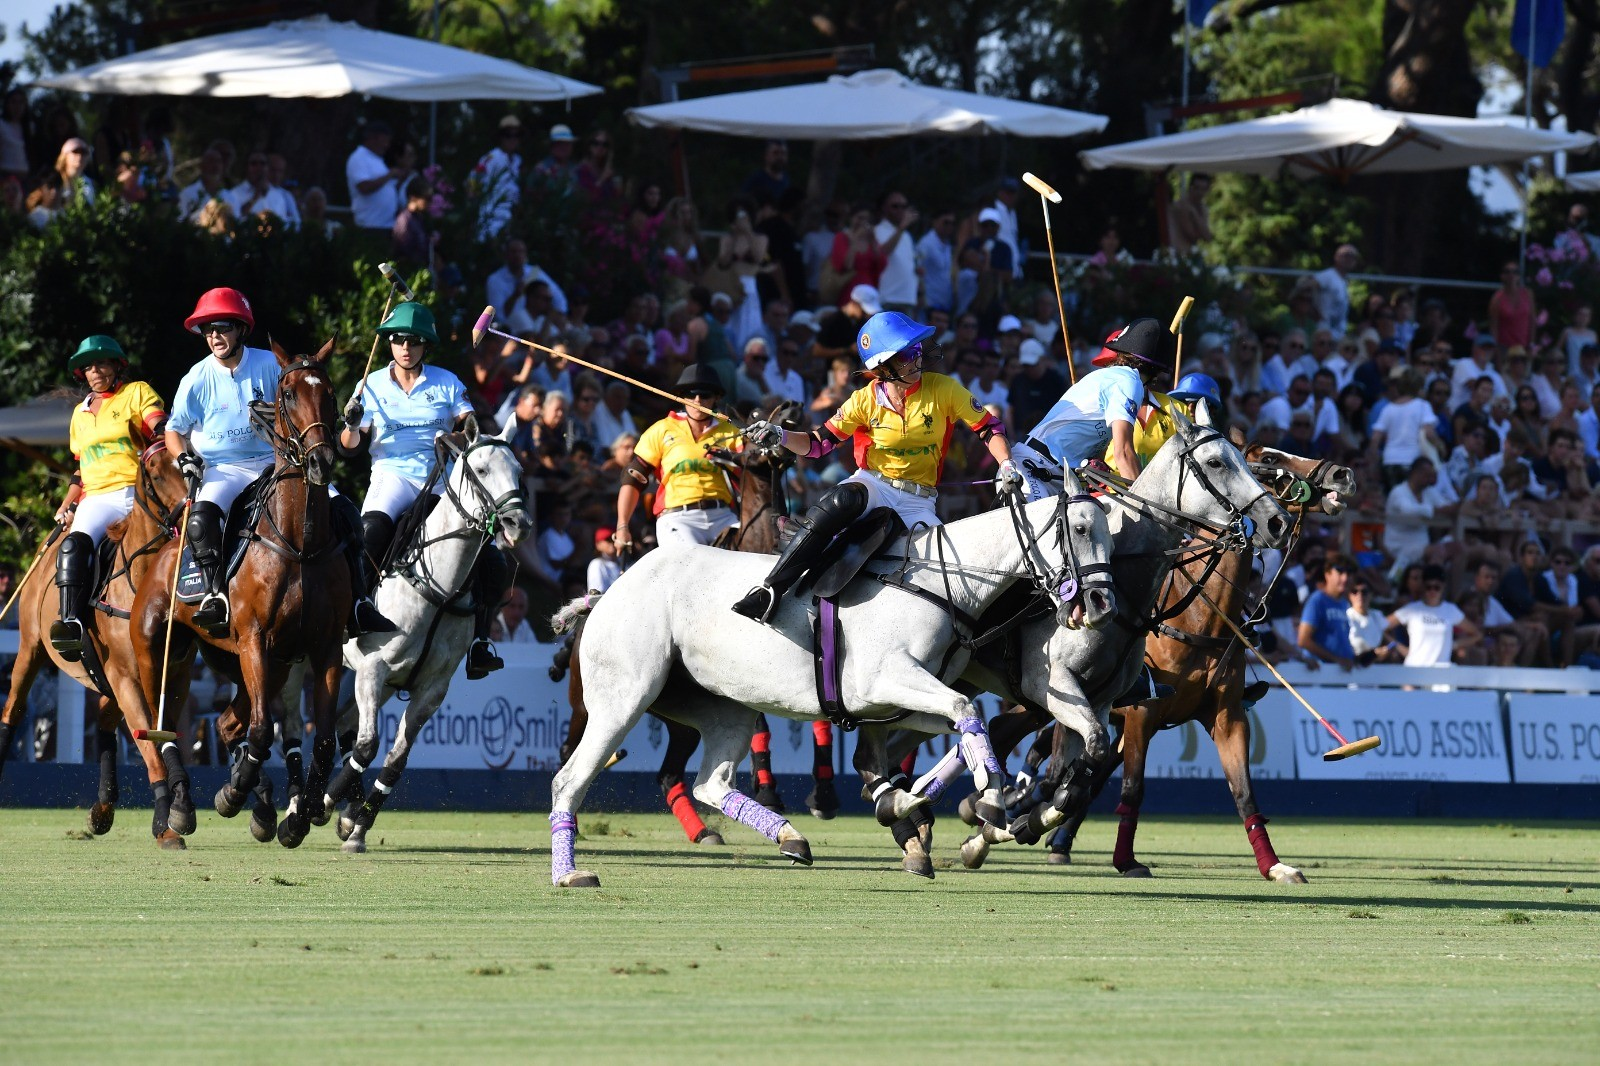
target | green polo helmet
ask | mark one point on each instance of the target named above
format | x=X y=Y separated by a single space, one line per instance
x=411 y=317
x=94 y=349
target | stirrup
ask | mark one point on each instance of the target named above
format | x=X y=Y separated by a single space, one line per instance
x=758 y=603
x=66 y=637
x=213 y=612
x=1144 y=690
x=366 y=618
x=482 y=660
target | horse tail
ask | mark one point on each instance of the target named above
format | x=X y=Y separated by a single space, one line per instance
x=574 y=612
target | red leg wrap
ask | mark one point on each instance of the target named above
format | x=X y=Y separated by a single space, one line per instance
x=822 y=732
x=683 y=810
x=1255 y=827
x=1122 y=857
x=908 y=765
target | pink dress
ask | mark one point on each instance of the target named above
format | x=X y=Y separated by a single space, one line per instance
x=1514 y=324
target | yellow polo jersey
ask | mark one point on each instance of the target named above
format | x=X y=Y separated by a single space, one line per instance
x=911 y=445
x=680 y=462
x=107 y=442
x=1151 y=429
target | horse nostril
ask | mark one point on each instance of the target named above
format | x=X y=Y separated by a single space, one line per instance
x=1277 y=527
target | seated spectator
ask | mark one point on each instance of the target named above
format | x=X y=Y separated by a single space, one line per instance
x=256 y=195
x=1527 y=416
x=604 y=568
x=1368 y=628
x=783 y=378
x=1566 y=473
x=1573 y=637
x=506 y=285
x=835 y=390
x=1507 y=642
x=554 y=373
x=1324 y=633
x=1276 y=411
x=511 y=624
x=1432 y=624
x=314 y=213
x=1352 y=435
x=413 y=244
x=986 y=387
x=1410 y=506
x=1300 y=439
x=611 y=418
x=44 y=202
x=584 y=418
x=555 y=543
x=1465 y=466
x=750 y=384
x=1528 y=596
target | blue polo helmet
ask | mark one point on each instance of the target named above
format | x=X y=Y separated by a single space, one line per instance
x=887 y=333
x=1197 y=387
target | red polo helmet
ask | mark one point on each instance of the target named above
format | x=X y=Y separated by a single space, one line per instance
x=1106 y=356
x=221 y=303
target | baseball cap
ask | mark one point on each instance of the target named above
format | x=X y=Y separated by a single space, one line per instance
x=867 y=296
x=1030 y=352
x=721 y=298
x=1008 y=323
x=1484 y=340
x=989 y=214
x=603 y=534
x=803 y=319
x=511 y=122
x=561 y=132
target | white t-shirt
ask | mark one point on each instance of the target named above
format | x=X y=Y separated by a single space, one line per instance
x=995 y=394
x=1366 y=630
x=373 y=210
x=898 y=282
x=1430 y=631
x=785 y=383
x=1333 y=300
x=247 y=202
x=522 y=634
x=603 y=573
x=1402 y=425
x=1463 y=372
x=556 y=547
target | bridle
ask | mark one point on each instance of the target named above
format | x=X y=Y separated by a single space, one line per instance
x=482 y=524
x=291 y=447
x=1064 y=583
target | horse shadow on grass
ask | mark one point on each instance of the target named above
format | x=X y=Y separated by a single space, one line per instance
x=1299 y=898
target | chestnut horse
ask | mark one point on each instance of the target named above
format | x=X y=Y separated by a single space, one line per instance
x=158 y=503
x=1196 y=653
x=287 y=602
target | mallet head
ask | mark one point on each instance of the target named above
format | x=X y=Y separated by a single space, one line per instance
x=393 y=277
x=1037 y=184
x=1355 y=747
x=1183 y=313
x=480 y=327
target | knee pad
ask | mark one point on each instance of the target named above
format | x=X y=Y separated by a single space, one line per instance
x=75 y=560
x=377 y=530
x=843 y=504
x=205 y=524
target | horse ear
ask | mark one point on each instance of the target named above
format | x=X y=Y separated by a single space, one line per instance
x=509 y=430
x=1202 y=414
x=1236 y=435
x=326 y=350
x=1181 y=420
x=469 y=429
x=284 y=358
x=1071 y=486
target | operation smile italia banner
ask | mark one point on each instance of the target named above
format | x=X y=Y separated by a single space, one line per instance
x=517 y=718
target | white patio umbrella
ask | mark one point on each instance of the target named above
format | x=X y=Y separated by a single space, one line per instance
x=317 y=57
x=863 y=106
x=1588 y=181
x=1340 y=138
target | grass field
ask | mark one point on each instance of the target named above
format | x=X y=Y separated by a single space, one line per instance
x=1416 y=941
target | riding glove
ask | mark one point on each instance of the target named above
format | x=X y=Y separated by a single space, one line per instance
x=763 y=434
x=352 y=413
x=1009 y=478
x=192 y=467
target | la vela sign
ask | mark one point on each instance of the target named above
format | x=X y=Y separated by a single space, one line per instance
x=1427 y=736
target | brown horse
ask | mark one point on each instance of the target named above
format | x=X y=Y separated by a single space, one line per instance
x=1196 y=653
x=158 y=502
x=288 y=601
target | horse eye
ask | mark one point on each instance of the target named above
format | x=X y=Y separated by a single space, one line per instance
x=1215 y=464
x=1082 y=531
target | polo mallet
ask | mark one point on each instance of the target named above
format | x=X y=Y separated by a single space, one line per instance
x=50 y=538
x=161 y=734
x=396 y=283
x=1048 y=196
x=1177 y=329
x=1346 y=748
x=485 y=327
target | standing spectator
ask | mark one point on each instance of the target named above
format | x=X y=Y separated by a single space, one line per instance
x=776 y=222
x=897 y=283
x=506 y=286
x=1410 y=506
x=1333 y=290
x=256 y=195
x=612 y=419
x=314 y=213
x=374 y=184
x=783 y=380
x=856 y=254
x=1512 y=309
x=72 y=164
x=1400 y=428
x=1189 y=219
x=130 y=180
x=15 y=132
x=750 y=386
x=935 y=253
x=596 y=175
x=744 y=253
x=1577 y=336
x=1479 y=364
x=1369 y=628
x=208 y=186
x=413 y=245
x=817 y=246
x=1576 y=237
x=555 y=169
x=680 y=242
x=497 y=179
x=1324 y=633
x=1005 y=209
x=604 y=569
x=1033 y=391
x=511 y=624
x=767 y=185
x=1432 y=624
x=278 y=174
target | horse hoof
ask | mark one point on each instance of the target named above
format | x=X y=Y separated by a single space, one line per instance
x=180 y=816
x=171 y=841
x=974 y=850
x=916 y=862
x=823 y=802
x=824 y=815
x=1138 y=869
x=967 y=810
x=356 y=846
x=579 y=879
x=1059 y=858
x=989 y=809
x=101 y=815
x=797 y=851
x=1285 y=874
x=321 y=817
x=228 y=802
x=292 y=830
x=345 y=827
x=263 y=823
x=710 y=838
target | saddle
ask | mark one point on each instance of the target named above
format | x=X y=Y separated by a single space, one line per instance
x=242 y=518
x=841 y=562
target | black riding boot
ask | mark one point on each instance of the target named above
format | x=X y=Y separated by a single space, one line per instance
x=830 y=517
x=205 y=540
x=1145 y=689
x=364 y=562
x=74 y=567
x=491 y=580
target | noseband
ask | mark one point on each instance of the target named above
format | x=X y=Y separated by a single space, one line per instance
x=498 y=508
x=1068 y=581
x=292 y=447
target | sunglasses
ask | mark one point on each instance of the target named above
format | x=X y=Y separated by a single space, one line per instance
x=590 y=398
x=1563 y=562
x=756 y=358
x=224 y=327
x=1359 y=590
x=1433 y=586
x=407 y=339
x=702 y=394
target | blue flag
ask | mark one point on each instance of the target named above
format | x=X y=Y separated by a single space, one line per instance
x=1549 y=20
x=1199 y=9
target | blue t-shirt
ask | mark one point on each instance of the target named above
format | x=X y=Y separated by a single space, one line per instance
x=1110 y=394
x=404 y=424
x=1330 y=625
x=212 y=407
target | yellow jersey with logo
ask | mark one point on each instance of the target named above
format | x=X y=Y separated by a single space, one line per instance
x=107 y=441
x=910 y=444
x=680 y=462
x=1152 y=427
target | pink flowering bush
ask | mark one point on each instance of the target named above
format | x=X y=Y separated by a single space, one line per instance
x=1563 y=275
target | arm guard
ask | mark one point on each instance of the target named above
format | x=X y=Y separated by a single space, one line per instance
x=822 y=442
x=640 y=471
x=989 y=427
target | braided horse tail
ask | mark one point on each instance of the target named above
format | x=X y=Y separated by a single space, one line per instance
x=573 y=612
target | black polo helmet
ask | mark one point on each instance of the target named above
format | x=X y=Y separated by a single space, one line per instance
x=702 y=377
x=1143 y=338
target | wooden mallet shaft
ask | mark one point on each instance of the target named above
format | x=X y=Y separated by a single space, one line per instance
x=1177 y=328
x=1048 y=196
x=160 y=733
x=485 y=327
x=396 y=283
x=49 y=539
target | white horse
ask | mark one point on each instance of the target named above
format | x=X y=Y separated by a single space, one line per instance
x=665 y=636
x=427 y=596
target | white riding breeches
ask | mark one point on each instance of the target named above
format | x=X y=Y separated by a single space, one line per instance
x=913 y=509
x=222 y=483
x=392 y=494
x=694 y=527
x=97 y=513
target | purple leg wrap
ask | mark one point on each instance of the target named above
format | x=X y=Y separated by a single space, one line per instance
x=975 y=745
x=563 y=828
x=742 y=808
x=933 y=783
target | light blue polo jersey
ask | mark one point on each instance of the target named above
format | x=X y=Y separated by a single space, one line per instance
x=212 y=407
x=404 y=424
x=1078 y=426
